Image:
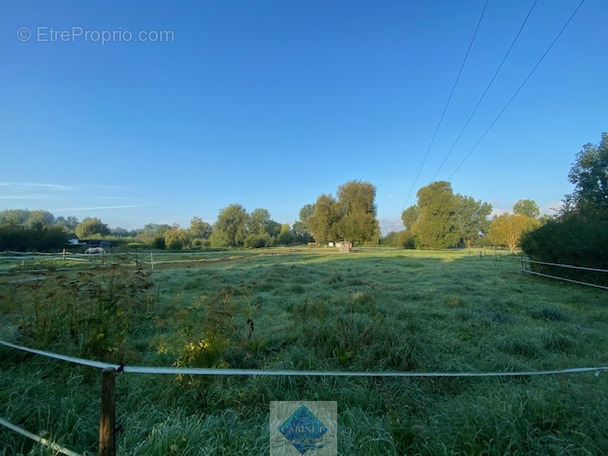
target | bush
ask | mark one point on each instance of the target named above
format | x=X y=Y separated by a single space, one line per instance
x=575 y=240
x=257 y=241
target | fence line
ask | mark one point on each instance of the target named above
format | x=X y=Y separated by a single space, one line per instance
x=107 y=428
x=248 y=372
x=527 y=270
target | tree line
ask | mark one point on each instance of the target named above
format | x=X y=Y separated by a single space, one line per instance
x=439 y=219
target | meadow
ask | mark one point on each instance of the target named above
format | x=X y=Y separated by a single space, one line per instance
x=376 y=310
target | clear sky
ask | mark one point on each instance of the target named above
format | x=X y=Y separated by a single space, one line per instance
x=153 y=112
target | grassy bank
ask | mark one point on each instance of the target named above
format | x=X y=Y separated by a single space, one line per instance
x=376 y=310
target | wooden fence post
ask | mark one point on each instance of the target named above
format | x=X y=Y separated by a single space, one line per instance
x=107 y=421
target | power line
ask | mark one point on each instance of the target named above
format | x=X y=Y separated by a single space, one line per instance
x=445 y=108
x=486 y=90
x=519 y=88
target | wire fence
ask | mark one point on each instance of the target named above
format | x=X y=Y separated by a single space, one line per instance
x=526 y=269
x=107 y=427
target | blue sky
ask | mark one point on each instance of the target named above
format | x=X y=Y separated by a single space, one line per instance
x=271 y=103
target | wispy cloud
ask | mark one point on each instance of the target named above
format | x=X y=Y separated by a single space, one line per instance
x=21 y=186
x=29 y=197
x=93 y=208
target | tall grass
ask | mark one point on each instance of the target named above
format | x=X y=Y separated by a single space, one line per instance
x=374 y=311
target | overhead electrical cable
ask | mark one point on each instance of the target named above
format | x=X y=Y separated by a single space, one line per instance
x=445 y=108
x=518 y=89
x=486 y=90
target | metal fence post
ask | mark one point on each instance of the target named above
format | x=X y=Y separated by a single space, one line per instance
x=107 y=420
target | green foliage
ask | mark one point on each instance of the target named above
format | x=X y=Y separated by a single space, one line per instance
x=352 y=217
x=257 y=241
x=199 y=229
x=38 y=237
x=508 y=229
x=472 y=219
x=575 y=240
x=589 y=174
x=176 y=239
x=438 y=224
x=579 y=236
x=92 y=311
x=230 y=229
x=321 y=222
x=92 y=228
x=526 y=207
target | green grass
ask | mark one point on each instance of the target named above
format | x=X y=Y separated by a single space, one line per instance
x=375 y=310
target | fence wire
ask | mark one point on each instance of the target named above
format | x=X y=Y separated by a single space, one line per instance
x=526 y=270
x=310 y=373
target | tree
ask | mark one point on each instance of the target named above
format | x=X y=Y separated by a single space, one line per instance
x=306 y=211
x=472 y=218
x=527 y=207
x=508 y=229
x=69 y=223
x=357 y=212
x=589 y=174
x=321 y=222
x=199 y=229
x=40 y=218
x=176 y=238
x=300 y=229
x=438 y=224
x=230 y=229
x=92 y=227
x=410 y=217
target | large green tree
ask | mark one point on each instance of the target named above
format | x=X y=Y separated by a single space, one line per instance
x=230 y=229
x=357 y=213
x=438 y=225
x=321 y=222
x=589 y=174
x=472 y=219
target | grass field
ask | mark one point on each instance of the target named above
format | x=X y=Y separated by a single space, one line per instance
x=312 y=309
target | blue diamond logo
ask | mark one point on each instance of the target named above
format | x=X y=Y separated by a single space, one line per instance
x=303 y=430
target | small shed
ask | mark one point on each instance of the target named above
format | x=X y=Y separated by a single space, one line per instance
x=345 y=246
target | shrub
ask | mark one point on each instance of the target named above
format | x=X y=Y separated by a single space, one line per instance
x=575 y=240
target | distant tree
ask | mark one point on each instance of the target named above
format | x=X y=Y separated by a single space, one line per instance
x=321 y=222
x=199 y=229
x=122 y=232
x=69 y=223
x=300 y=229
x=230 y=229
x=357 y=213
x=472 y=218
x=92 y=227
x=410 y=217
x=176 y=238
x=589 y=174
x=300 y=233
x=15 y=216
x=152 y=229
x=438 y=225
x=259 y=221
x=508 y=229
x=40 y=217
x=285 y=236
x=527 y=207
